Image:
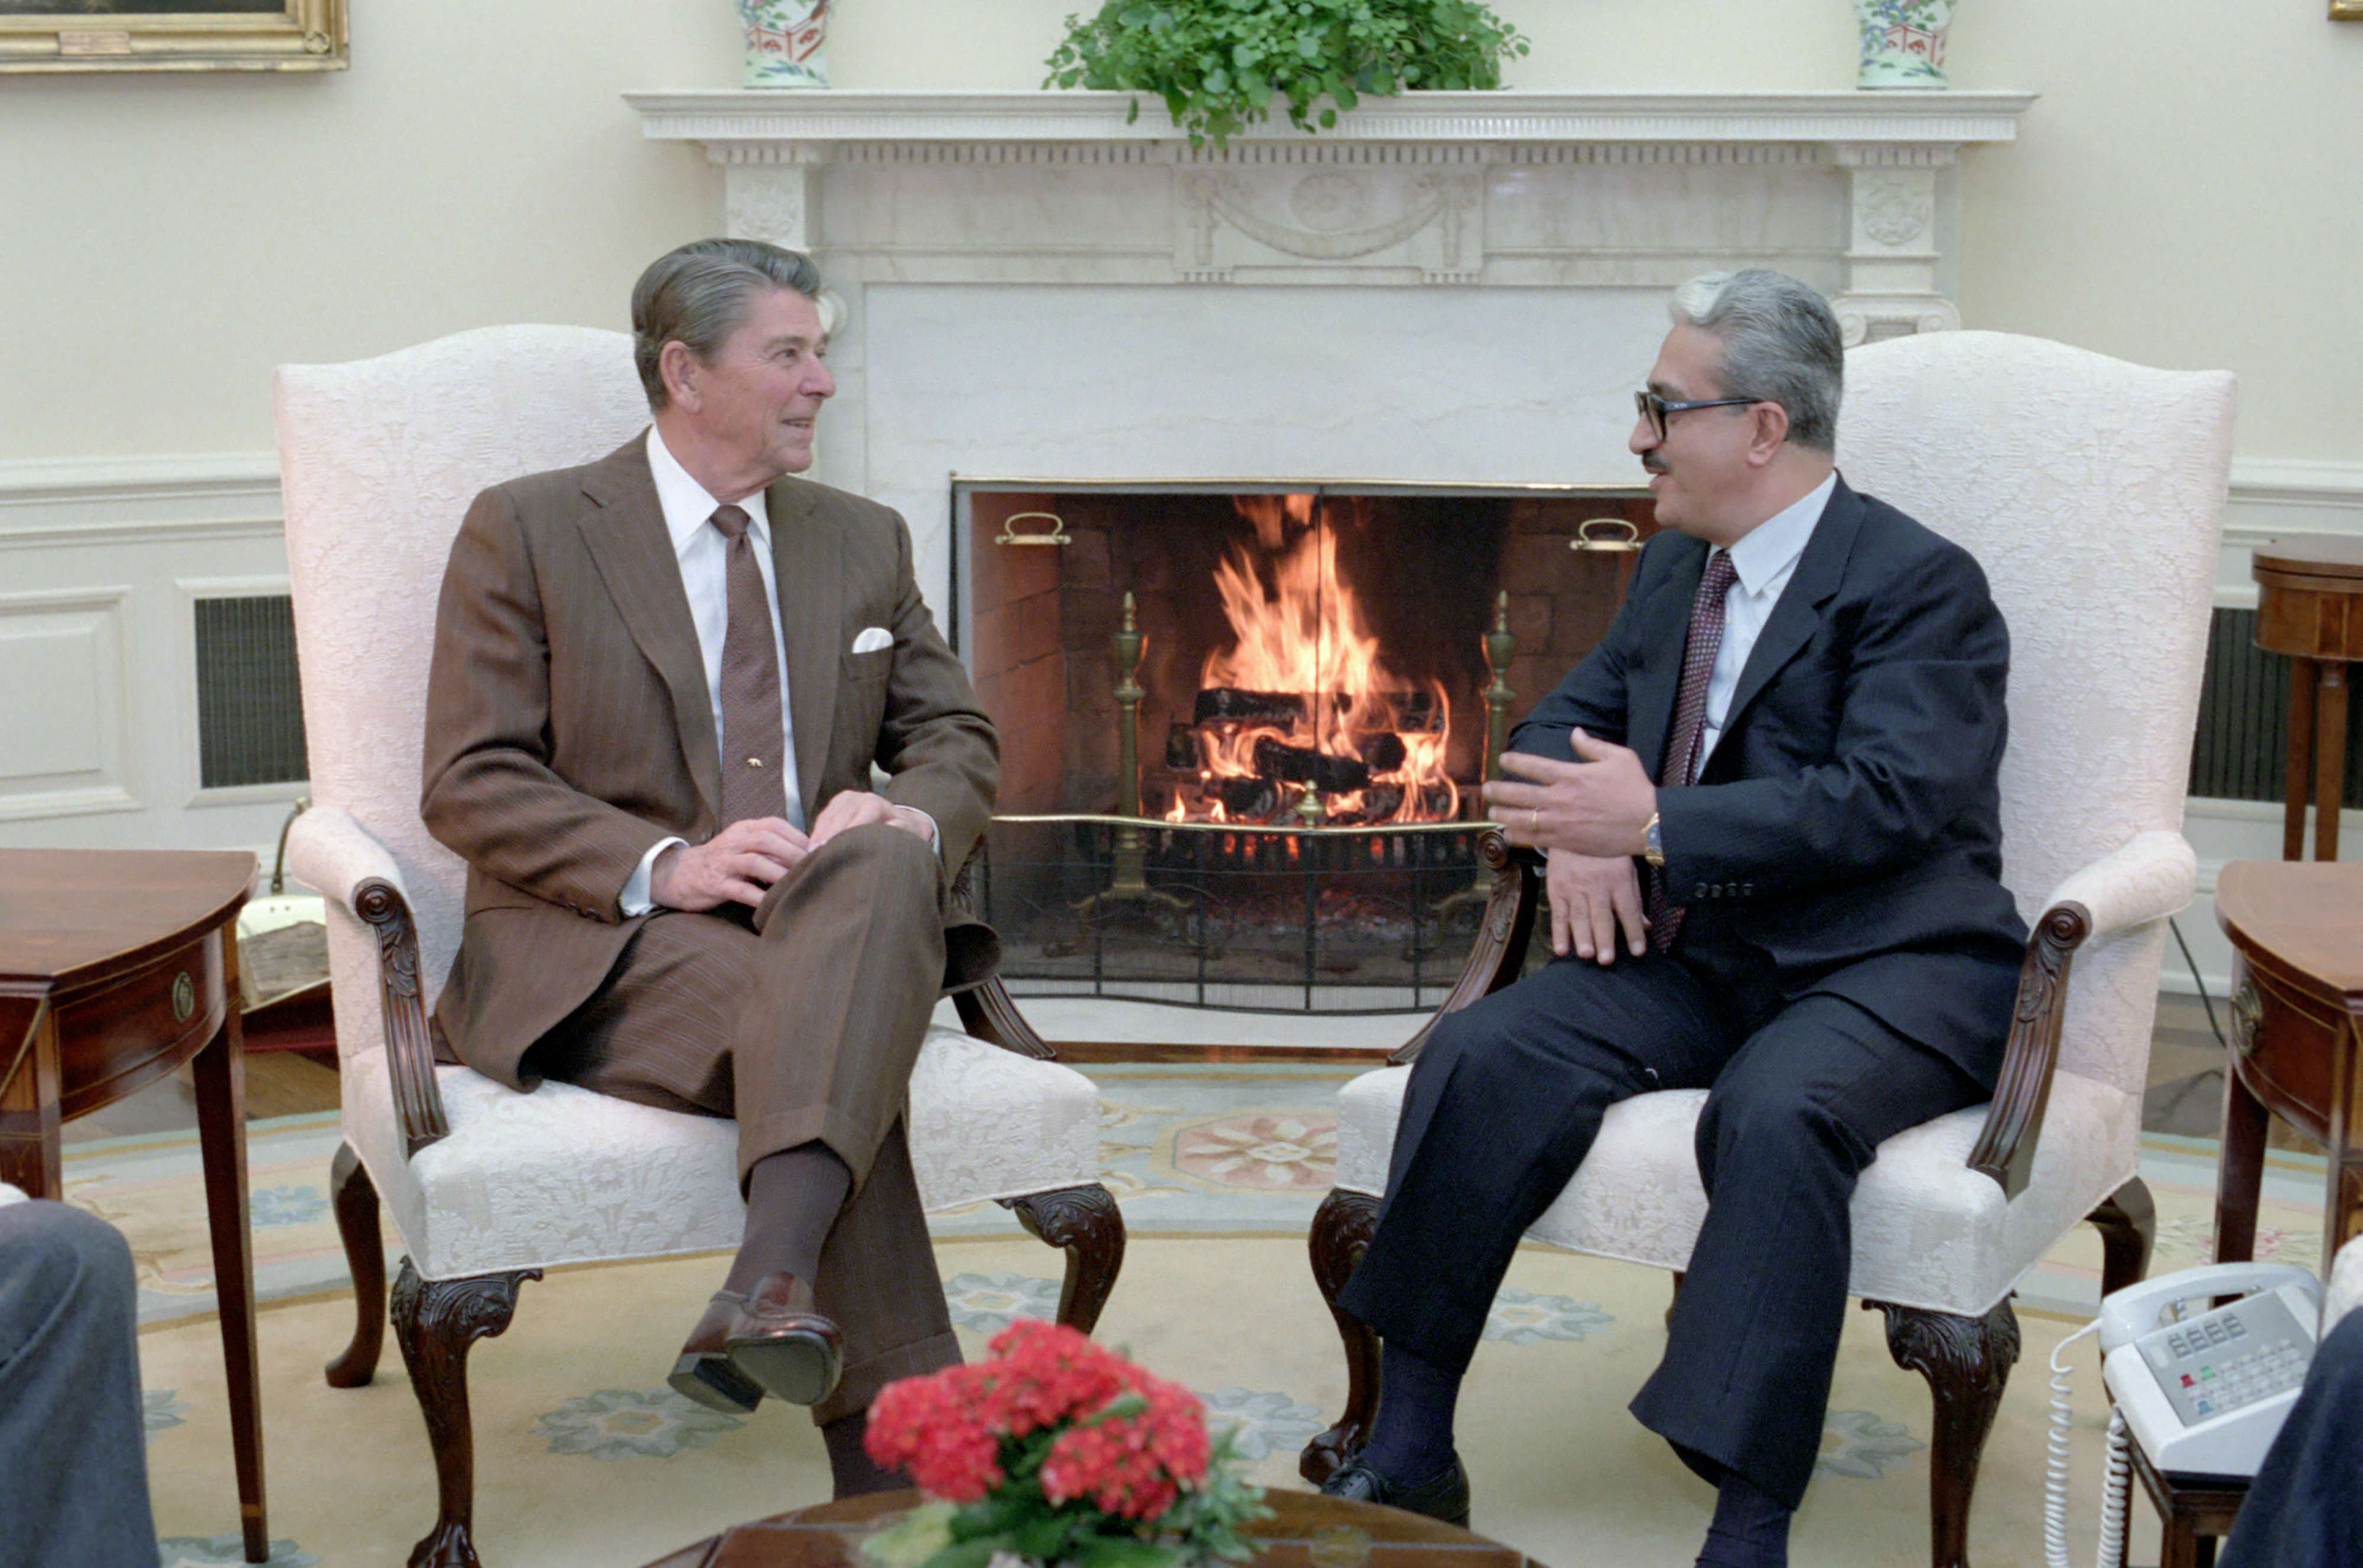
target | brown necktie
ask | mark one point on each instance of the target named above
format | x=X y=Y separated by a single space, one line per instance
x=753 y=747
x=1680 y=766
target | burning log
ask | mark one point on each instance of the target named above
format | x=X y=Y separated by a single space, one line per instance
x=1303 y=764
x=1229 y=705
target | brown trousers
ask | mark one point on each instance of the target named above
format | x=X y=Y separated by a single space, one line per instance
x=802 y=1022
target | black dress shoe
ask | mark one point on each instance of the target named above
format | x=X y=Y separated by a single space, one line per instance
x=1443 y=1495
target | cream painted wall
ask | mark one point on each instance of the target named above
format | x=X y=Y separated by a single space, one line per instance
x=2186 y=192
x=165 y=241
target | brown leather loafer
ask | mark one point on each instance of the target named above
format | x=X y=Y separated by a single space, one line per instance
x=770 y=1339
x=781 y=1342
x=702 y=1372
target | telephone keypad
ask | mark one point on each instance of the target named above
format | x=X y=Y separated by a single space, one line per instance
x=2229 y=1358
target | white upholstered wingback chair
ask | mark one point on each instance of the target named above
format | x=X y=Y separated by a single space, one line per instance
x=486 y=1187
x=2091 y=491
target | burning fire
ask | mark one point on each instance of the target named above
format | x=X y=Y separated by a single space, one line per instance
x=1303 y=694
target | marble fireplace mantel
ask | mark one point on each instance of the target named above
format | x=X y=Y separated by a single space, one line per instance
x=1849 y=189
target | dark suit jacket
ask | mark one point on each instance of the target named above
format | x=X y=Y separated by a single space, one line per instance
x=1848 y=823
x=569 y=727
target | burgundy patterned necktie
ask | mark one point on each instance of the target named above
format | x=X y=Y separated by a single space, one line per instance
x=1680 y=766
x=753 y=747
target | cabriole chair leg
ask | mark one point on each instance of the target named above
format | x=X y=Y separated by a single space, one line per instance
x=1967 y=1361
x=1084 y=1222
x=1341 y=1234
x=355 y=1197
x=435 y=1322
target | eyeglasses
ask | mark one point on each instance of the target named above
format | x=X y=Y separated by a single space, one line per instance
x=1655 y=408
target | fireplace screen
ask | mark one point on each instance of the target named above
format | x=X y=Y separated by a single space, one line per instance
x=1243 y=726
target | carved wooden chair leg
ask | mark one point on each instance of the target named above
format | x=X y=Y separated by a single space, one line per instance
x=2127 y=1221
x=356 y=1203
x=1966 y=1361
x=1341 y=1234
x=1084 y=1222
x=435 y=1322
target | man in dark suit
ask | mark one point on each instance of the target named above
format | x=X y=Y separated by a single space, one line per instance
x=1768 y=805
x=661 y=683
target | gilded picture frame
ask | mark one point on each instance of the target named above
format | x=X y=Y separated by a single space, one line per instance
x=172 y=34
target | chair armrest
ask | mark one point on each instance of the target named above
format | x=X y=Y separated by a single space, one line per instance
x=986 y=1010
x=328 y=849
x=2148 y=878
x=1502 y=935
x=2345 y=1293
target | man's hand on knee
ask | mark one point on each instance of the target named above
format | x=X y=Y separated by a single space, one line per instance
x=856 y=807
x=1592 y=899
x=736 y=865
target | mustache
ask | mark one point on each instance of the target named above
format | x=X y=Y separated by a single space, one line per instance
x=1652 y=466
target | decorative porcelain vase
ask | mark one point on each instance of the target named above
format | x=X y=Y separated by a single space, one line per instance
x=787 y=42
x=1903 y=42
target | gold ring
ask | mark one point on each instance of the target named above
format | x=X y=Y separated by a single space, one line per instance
x=1537 y=825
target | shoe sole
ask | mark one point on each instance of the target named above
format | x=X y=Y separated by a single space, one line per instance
x=709 y=1379
x=800 y=1368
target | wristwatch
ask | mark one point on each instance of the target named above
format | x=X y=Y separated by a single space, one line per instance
x=1653 y=844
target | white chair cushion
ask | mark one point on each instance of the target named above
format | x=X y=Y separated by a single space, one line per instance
x=1928 y=1232
x=565 y=1175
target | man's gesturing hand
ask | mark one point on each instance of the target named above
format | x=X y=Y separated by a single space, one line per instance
x=1598 y=806
x=736 y=865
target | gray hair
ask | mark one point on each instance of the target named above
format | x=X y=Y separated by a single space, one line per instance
x=702 y=293
x=1780 y=344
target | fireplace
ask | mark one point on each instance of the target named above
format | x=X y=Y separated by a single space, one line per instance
x=1461 y=287
x=1243 y=725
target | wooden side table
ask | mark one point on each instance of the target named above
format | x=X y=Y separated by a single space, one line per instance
x=2193 y=1514
x=2297 y=1035
x=1305 y=1531
x=2310 y=607
x=116 y=967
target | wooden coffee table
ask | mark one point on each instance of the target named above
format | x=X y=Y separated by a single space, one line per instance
x=115 y=968
x=1305 y=1531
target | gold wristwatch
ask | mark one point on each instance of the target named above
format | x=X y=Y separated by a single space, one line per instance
x=1653 y=844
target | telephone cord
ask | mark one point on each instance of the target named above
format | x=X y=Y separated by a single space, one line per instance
x=2055 y=1470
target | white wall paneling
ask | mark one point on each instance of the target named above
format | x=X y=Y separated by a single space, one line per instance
x=104 y=563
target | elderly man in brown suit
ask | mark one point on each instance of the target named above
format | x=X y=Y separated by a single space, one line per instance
x=682 y=889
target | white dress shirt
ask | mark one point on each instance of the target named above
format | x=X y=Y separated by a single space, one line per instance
x=1764 y=560
x=705 y=556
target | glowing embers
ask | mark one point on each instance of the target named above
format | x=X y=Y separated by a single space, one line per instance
x=1299 y=717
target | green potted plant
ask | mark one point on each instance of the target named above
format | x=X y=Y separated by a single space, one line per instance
x=1218 y=63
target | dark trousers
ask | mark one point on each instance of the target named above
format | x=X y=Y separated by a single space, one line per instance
x=802 y=1022
x=74 y=1467
x=1504 y=1102
x=2305 y=1509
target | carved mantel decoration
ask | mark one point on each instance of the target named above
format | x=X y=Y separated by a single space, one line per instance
x=1852 y=191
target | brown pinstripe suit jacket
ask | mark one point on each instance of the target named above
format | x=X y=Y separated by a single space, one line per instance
x=569 y=724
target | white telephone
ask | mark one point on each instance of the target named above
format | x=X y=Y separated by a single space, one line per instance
x=2205 y=1394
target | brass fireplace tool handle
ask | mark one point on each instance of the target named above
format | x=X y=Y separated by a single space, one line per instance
x=1055 y=534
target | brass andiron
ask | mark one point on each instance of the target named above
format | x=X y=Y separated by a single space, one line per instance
x=1129 y=884
x=1501 y=647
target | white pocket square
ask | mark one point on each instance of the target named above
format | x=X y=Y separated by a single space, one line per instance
x=871 y=640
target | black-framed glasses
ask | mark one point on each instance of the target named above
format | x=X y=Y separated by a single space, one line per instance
x=1655 y=408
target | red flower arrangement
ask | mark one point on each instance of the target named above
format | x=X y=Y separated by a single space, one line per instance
x=1059 y=1451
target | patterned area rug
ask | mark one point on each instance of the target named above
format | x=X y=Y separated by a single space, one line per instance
x=583 y=1457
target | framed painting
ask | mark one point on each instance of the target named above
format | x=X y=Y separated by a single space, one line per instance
x=172 y=34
